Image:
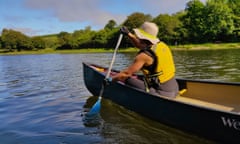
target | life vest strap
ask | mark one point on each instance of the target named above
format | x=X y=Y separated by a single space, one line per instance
x=155 y=74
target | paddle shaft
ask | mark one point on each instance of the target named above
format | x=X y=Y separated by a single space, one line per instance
x=96 y=107
x=114 y=55
x=111 y=64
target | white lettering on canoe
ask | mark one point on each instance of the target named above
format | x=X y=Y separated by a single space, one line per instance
x=231 y=123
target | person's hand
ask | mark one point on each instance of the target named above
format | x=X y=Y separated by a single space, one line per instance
x=124 y=30
x=107 y=81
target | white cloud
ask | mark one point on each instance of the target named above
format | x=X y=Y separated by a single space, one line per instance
x=99 y=12
x=156 y=7
x=76 y=10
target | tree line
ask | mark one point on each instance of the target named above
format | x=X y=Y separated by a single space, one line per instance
x=213 y=21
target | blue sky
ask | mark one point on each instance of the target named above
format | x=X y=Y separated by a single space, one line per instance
x=40 y=17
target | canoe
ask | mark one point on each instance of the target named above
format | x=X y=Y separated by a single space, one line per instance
x=208 y=109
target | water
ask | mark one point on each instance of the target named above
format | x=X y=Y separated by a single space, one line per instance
x=43 y=99
x=219 y=65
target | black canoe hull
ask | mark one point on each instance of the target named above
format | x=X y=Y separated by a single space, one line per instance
x=217 y=125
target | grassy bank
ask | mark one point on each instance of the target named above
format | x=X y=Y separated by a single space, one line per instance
x=101 y=50
x=52 y=51
x=207 y=46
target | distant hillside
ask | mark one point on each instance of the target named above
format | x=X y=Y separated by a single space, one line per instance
x=49 y=35
x=51 y=40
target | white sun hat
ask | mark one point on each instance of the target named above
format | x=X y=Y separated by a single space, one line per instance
x=147 y=31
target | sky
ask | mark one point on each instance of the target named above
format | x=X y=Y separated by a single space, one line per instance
x=42 y=17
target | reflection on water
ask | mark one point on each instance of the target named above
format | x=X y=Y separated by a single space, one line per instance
x=119 y=125
x=43 y=99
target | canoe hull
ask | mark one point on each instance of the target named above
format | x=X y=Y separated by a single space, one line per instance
x=220 y=126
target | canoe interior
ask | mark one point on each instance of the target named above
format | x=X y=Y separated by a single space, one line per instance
x=221 y=96
x=208 y=94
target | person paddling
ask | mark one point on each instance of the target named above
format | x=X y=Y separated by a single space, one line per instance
x=154 y=59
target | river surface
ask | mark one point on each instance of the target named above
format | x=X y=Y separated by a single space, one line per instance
x=43 y=99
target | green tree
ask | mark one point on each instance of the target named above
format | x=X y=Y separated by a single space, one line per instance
x=9 y=40
x=0 y=42
x=38 y=42
x=51 y=41
x=136 y=19
x=181 y=32
x=167 y=27
x=64 y=40
x=100 y=38
x=13 y=40
x=24 y=42
x=193 y=21
x=84 y=37
x=112 y=38
x=110 y=25
x=219 y=22
x=234 y=5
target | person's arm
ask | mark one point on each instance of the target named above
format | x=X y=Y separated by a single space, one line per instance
x=135 y=41
x=139 y=61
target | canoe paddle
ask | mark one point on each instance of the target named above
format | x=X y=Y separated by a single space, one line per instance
x=96 y=107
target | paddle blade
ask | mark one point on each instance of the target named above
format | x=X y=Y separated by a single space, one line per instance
x=96 y=108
